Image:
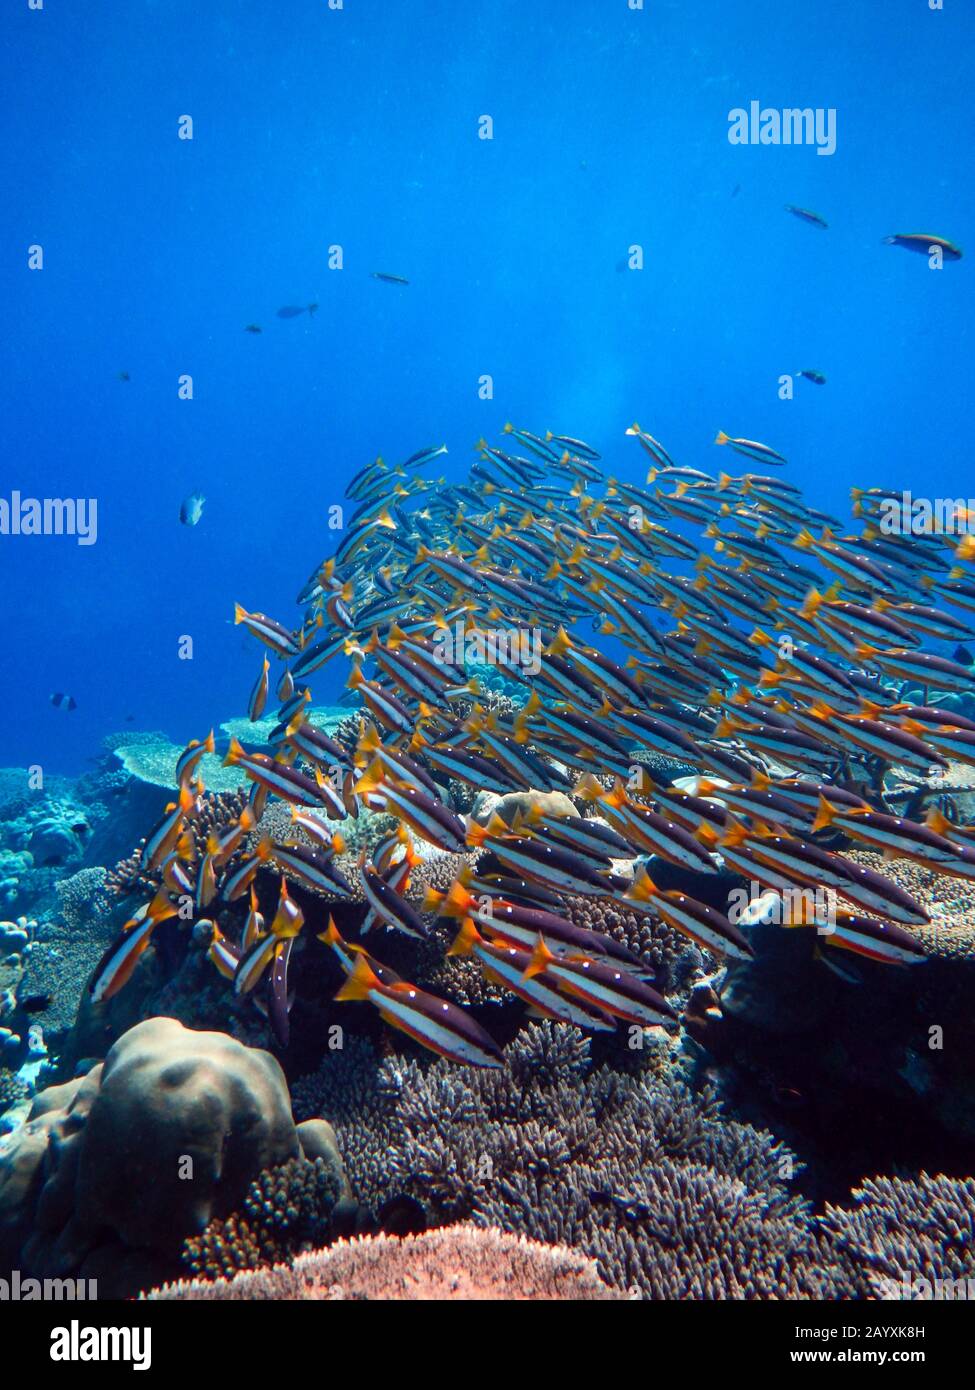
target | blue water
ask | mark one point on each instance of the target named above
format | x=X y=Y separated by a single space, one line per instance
x=359 y=127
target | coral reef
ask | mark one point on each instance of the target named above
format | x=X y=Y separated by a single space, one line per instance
x=456 y=1263
x=909 y=1238
x=631 y=1167
x=114 y=1170
x=154 y=763
x=286 y=1210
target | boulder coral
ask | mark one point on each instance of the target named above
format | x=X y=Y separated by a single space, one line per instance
x=113 y=1171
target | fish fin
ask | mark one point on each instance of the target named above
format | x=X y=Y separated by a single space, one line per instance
x=330 y=936
x=643 y=888
x=465 y=940
x=541 y=959
x=433 y=900
x=234 y=753
x=359 y=983
x=938 y=822
x=825 y=815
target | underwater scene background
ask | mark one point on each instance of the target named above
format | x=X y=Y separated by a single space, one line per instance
x=457 y=841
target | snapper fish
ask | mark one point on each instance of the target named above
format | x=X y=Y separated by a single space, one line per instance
x=118 y=964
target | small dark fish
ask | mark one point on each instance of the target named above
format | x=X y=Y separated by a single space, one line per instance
x=191 y=508
x=963 y=656
x=291 y=311
x=920 y=242
x=810 y=375
x=389 y=279
x=253 y=328
x=807 y=216
x=736 y=190
x=62 y=701
x=124 y=376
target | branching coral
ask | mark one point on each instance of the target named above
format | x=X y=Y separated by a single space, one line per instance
x=909 y=1238
x=287 y=1209
x=635 y=1169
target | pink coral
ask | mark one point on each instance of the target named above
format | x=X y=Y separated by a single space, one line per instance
x=456 y=1262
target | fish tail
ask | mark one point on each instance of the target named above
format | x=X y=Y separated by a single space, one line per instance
x=477 y=836
x=234 y=753
x=541 y=959
x=330 y=936
x=359 y=983
x=433 y=901
x=465 y=940
x=824 y=816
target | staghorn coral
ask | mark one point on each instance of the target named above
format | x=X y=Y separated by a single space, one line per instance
x=286 y=1210
x=903 y=1231
x=457 y=1263
x=616 y=1164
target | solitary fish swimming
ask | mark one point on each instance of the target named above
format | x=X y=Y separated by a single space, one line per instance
x=389 y=279
x=807 y=216
x=922 y=243
x=191 y=508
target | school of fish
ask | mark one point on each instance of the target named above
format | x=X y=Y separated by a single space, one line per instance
x=748 y=636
